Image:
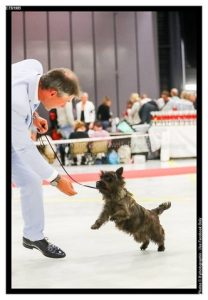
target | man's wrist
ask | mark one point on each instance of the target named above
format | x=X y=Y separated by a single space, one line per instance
x=55 y=181
x=53 y=176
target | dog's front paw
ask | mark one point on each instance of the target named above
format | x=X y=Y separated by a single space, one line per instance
x=95 y=226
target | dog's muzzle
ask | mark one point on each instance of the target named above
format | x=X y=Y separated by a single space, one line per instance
x=100 y=184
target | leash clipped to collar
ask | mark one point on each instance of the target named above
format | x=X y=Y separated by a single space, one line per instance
x=85 y=185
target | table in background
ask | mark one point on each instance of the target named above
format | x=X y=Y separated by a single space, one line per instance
x=180 y=140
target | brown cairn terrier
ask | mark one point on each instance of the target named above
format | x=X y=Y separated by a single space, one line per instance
x=127 y=214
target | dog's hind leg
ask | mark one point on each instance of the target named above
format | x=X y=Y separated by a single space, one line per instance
x=159 y=239
x=158 y=236
x=161 y=247
x=141 y=238
x=144 y=245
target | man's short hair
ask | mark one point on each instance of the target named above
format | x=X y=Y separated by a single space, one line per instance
x=63 y=80
x=166 y=93
x=174 y=92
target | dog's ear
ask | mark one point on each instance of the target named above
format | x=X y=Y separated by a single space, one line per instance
x=119 y=171
x=101 y=173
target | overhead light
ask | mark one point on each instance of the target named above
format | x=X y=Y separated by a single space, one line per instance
x=190 y=87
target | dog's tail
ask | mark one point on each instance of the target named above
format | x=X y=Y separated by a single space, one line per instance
x=160 y=209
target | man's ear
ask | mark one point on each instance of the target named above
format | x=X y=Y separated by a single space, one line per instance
x=53 y=92
x=119 y=171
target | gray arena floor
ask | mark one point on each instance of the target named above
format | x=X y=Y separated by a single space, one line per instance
x=108 y=258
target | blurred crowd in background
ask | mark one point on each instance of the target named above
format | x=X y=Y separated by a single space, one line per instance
x=80 y=119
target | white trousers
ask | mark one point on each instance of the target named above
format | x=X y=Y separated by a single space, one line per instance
x=30 y=184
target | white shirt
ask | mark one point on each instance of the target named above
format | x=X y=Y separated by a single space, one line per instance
x=89 y=111
x=65 y=115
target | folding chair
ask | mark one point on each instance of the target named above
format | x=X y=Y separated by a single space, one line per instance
x=78 y=150
x=98 y=149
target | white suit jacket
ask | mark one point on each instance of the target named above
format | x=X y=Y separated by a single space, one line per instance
x=89 y=111
x=25 y=79
x=65 y=115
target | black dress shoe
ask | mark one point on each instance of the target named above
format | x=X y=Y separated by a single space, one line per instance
x=45 y=247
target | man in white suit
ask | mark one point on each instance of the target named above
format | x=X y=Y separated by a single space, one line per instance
x=30 y=87
x=85 y=110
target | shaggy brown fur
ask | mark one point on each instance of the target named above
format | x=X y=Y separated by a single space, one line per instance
x=127 y=214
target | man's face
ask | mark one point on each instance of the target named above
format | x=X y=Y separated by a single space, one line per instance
x=51 y=100
x=165 y=97
x=84 y=98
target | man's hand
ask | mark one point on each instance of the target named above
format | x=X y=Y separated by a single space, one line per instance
x=40 y=123
x=65 y=186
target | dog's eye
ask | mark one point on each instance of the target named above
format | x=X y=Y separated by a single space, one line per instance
x=108 y=178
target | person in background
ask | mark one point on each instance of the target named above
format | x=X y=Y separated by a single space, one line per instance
x=185 y=95
x=135 y=116
x=147 y=106
x=53 y=119
x=30 y=87
x=185 y=102
x=65 y=120
x=134 y=97
x=174 y=94
x=98 y=130
x=165 y=98
x=79 y=133
x=193 y=99
x=127 y=112
x=144 y=99
x=133 y=107
x=182 y=103
x=85 y=110
x=104 y=113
